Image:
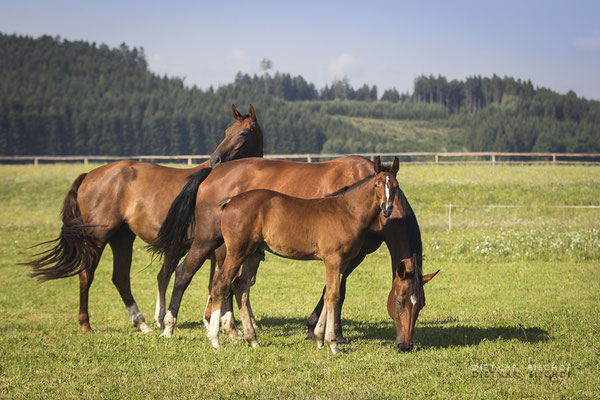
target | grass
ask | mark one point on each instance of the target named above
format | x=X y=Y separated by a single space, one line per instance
x=513 y=312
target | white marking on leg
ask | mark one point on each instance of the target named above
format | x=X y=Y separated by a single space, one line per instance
x=169 y=321
x=206 y=322
x=213 y=333
x=137 y=319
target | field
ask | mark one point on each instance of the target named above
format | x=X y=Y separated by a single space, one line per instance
x=513 y=313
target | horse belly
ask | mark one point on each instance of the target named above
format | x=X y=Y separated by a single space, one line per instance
x=291 y=240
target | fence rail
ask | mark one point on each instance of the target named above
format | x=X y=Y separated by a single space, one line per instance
x=418 y=157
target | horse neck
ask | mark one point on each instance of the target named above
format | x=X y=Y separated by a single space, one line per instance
x=259 y=153
x=361 y=203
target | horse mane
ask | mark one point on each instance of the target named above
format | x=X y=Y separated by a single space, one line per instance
x=384 y=168
x=349 y=187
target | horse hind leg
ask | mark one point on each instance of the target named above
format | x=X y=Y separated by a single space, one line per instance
x=228 y=324
x=121 y=244
x=86 y=277
x=163 y=278
x=241 y=288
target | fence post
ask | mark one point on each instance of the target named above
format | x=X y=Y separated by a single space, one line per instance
x=493 y=159
x=437 y=158
x=308 y=158
x=553 y=158
x=85 y=161
x=35 y=161
x=449 y=217
x=189 y=160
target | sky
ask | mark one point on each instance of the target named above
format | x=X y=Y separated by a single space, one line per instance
x=555 y=44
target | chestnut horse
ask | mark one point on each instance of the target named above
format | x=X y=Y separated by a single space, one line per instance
x=305 y=180
x=115 y=203
x=331 y=229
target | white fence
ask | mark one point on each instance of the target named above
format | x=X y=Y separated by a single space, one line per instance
x=418 y=157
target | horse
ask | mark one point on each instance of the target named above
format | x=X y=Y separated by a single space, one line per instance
x=114 y=203
x=331 y=229
x=198 y=229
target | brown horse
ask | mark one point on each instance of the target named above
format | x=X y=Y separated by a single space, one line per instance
x=331 y=229
x=305 y=180
x=115 y=203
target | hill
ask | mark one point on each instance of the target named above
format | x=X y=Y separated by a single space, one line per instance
x=74 y=97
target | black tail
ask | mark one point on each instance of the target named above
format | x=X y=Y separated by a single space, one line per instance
x=73 y=250
x=181 y=219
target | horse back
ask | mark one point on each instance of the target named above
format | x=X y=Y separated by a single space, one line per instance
x=132 y=192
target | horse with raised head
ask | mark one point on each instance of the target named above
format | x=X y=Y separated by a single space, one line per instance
x=305 y=180
x=331 y=229
x=114 y=203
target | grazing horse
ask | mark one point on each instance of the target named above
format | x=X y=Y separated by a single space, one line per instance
x=331 y=229
x=115 y=203
x=305 y=180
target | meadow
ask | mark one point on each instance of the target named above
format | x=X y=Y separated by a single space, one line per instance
x=513 y=313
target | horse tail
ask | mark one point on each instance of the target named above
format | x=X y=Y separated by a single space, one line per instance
x=181 y=217
x=73 y=250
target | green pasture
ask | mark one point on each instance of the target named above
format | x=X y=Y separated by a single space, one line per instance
x=513 y=313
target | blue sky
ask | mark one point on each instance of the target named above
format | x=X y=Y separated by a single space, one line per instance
x=556 y=44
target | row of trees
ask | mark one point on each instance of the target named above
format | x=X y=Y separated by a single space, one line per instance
x=65 y=97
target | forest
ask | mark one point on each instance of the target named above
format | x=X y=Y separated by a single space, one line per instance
x=60 y=97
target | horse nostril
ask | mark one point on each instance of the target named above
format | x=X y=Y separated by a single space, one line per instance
x=215 y=160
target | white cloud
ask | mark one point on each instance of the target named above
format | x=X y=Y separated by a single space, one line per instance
x=588 y=43
x=343 y=65
x=239 y=60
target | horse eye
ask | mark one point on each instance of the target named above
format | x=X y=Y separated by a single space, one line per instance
x=376 y=186
x=243 y=133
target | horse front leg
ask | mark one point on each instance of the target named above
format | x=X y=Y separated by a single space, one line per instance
x=325 y=326
x=314 y=317
x=183 y=276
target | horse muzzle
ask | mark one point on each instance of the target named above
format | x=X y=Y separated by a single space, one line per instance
x=215 y=159
x=401 y=346
x=386 y=209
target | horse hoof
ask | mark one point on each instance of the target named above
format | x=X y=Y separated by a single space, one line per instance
x=144 y=328
x=254 y=344
x=235 y=335
x=166 y=335
x=341 y=340
x=214 y=343
x=334 y=349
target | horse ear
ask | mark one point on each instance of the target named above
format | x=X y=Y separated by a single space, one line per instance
x=252 y=114
x=236 y=114
x=428 y=277
x=396 y=165
x=377 y=165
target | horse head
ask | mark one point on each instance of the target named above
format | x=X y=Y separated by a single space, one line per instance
x=242 y=139
x=386 y=186
x=405 y=301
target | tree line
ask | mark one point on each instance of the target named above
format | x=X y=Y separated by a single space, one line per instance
x=60 y=97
